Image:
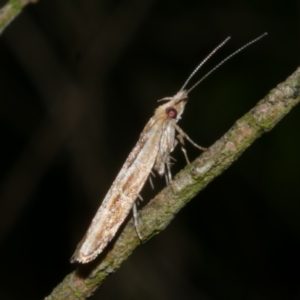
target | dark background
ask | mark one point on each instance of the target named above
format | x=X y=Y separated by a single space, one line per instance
x=80 y=79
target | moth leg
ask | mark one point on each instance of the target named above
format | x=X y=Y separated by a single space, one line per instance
x=184 y=135
x=150 y=180
x=165 y=99
x=135 y=220
x=169 y=174
x=167 y=179
x=140 y=197
x=182 y=146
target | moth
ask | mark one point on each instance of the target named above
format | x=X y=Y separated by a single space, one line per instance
x=152 y=152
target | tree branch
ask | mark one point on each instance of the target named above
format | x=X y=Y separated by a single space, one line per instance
x=155 y=216
x=11 y=10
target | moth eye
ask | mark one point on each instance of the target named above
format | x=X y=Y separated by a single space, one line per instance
x=171 y=112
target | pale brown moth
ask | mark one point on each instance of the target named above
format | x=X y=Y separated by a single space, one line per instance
x=152 y=152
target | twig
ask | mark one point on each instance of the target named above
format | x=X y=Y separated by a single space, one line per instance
x=11 y=10
x=155 y=216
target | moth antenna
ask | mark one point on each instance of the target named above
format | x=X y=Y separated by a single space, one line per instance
x=226 y=59
x=204 y=61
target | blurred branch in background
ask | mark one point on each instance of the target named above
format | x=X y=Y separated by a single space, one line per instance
x=161 y=210
x=11 y=10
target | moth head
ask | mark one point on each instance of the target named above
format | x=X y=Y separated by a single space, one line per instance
x=174 y=108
